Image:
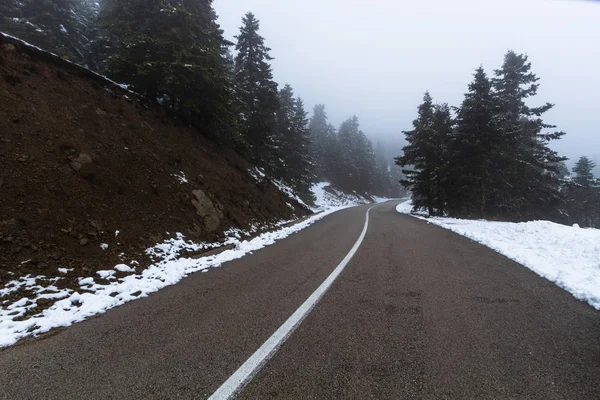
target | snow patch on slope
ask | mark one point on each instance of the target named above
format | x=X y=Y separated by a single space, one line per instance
x=568 y=256
x=259 y=175
x=108 y=80
x=327 y=196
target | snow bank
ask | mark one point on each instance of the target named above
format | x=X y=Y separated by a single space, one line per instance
x=95 y=298
x=19 y=317
x=568 y=256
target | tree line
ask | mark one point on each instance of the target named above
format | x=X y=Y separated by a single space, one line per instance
x=490 y=157
x=174 y=52
x=346 y=157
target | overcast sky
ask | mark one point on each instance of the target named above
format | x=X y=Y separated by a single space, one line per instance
x=375 y=58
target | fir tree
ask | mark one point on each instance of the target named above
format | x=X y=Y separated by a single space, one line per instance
x=426 y=154
x=440 y=146
x=59 y=26
x=582 y=195
x=257 y=94
x=294 y=144
x=584 y=175
x=355 y=165
x=347 y=168
x=320 y=130
x=173 y=52
x=301 y=160
x=475 y=169
x=530 y=185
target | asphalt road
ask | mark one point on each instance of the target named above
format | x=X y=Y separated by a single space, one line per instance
x=419 y=312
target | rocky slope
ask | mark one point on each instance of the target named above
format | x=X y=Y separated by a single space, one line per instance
x=90 y=174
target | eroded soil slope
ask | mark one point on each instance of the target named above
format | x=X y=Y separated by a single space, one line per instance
x=81 y=158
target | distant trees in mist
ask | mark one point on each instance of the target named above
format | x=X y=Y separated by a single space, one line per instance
x=490 y=157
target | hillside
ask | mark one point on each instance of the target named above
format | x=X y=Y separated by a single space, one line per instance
x=91 y=175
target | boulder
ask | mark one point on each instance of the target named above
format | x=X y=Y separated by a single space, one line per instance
x=206 y=209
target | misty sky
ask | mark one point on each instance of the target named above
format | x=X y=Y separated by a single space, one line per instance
x=375 y=58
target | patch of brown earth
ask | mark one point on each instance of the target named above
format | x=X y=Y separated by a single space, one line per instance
x=81 y=159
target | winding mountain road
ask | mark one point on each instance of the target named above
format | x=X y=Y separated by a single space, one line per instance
x=417 y=312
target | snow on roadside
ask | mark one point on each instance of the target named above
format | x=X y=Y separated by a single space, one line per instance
x=334 y=198
x=379 y=200
x=568 y=256
x=95 y=298
x=20 y=317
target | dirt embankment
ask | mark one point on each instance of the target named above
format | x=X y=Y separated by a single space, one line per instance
x=85 y=164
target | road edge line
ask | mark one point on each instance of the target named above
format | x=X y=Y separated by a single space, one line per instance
x=244 y=374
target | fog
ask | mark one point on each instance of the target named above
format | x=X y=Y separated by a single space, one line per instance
x=375 y=59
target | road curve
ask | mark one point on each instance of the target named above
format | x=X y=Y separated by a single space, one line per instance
x=418 y=312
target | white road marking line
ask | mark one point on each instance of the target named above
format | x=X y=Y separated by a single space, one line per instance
x=250 y=368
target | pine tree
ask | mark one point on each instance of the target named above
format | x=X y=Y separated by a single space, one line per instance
x=355 y=164
x=319 y=130
x=347 y=168
x=173 y=52
x=474 y=163
x=301 y=157
x=441 y=142
x=330 y=158
x=530 y=184
x=58 y=26
x=285 y=134
x=584 y=175
x=582 y=195
x=257 y=94
x=427 y=155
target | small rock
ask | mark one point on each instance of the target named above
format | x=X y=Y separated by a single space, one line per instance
x=80 y=161
x=22 y=158
x=75 y=165
x=99 y=111
x=83 y=242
